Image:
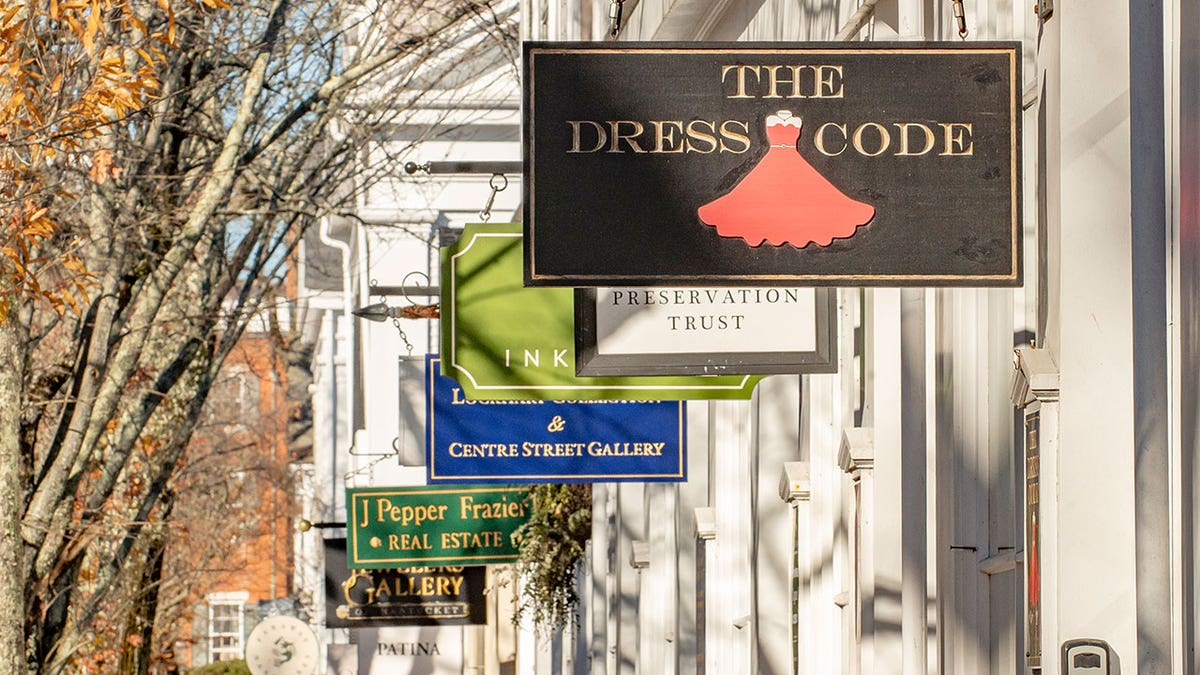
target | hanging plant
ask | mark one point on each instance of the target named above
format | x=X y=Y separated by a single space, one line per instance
x=550 y=546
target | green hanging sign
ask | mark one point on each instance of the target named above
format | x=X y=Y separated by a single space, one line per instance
x=503 y=341
x=432 y=525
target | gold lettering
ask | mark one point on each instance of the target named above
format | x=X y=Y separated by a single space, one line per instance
x=819 y=139
x=491 y=538
x=885 y=139
x=408 y=542
x=958 y=135
x=384 y=505
x=630 y=138
x=741 y=79
x=904 y=127
x=728 y=134
x=828 y=82
x=773 y=81
x=576 y=135
x=664 y=136
x=366 y=508
x=694 y=135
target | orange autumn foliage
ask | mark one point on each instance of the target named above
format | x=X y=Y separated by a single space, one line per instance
x=68 y=70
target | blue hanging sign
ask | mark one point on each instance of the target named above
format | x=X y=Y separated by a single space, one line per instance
x=469 y=441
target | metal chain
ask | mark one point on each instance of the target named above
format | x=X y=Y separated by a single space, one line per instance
x=407 y=344
x=395 y=320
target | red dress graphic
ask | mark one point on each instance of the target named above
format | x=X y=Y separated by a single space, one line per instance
x=783 y=199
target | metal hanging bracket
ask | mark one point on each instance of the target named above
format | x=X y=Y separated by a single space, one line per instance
x=464 y=167
x=381 y=311
x=614 y=14
x=960 y=17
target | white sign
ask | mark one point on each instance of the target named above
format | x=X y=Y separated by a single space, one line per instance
x=430 y=650
x=282 y=645
x=704 y=330
x=718 y=320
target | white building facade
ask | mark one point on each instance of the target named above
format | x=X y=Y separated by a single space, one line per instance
x=879 y=520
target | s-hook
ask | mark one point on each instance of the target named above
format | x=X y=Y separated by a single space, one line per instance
x=498 y=182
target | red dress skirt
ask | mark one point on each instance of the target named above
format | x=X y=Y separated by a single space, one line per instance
x=784 y=200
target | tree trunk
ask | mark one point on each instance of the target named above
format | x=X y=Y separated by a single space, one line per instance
x=136 y=653
x=12 y=588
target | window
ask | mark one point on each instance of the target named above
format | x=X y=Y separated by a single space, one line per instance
x=226 y=626
x=234 y=399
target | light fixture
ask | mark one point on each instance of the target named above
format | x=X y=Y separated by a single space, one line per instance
x=304 y=525
x=379 y=311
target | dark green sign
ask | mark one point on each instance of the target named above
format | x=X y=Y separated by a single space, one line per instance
x=401 y=526
x=503 y=341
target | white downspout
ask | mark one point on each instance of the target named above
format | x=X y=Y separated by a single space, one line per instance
x=346 y=351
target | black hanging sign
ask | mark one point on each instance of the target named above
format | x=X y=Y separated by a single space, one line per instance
x=412 y=596
x=826 y=164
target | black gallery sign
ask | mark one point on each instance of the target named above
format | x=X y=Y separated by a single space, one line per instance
x=834 y=164
x=410 y=596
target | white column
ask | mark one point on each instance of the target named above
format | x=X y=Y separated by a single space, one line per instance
x=603 y=519
x=827 y=404
x=775 y=423
x=474 y=650
x=963 y=485
x=527 y=646
x=795 y=489
x=822 y=526
x=883 y=414
x=627 y=616
x=692 y=495
x=1085 y=51
x=501 y=637
x=706 y=561
x=1186 y=340
x=729 y=586
x=659 y=578
x=914 y=531
x=856 y=457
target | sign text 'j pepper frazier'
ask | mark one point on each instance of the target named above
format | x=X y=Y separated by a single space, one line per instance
x=838 y=164
x=403 y=526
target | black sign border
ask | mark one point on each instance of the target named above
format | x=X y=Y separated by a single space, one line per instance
x=822 y=360
x=1014 y=277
